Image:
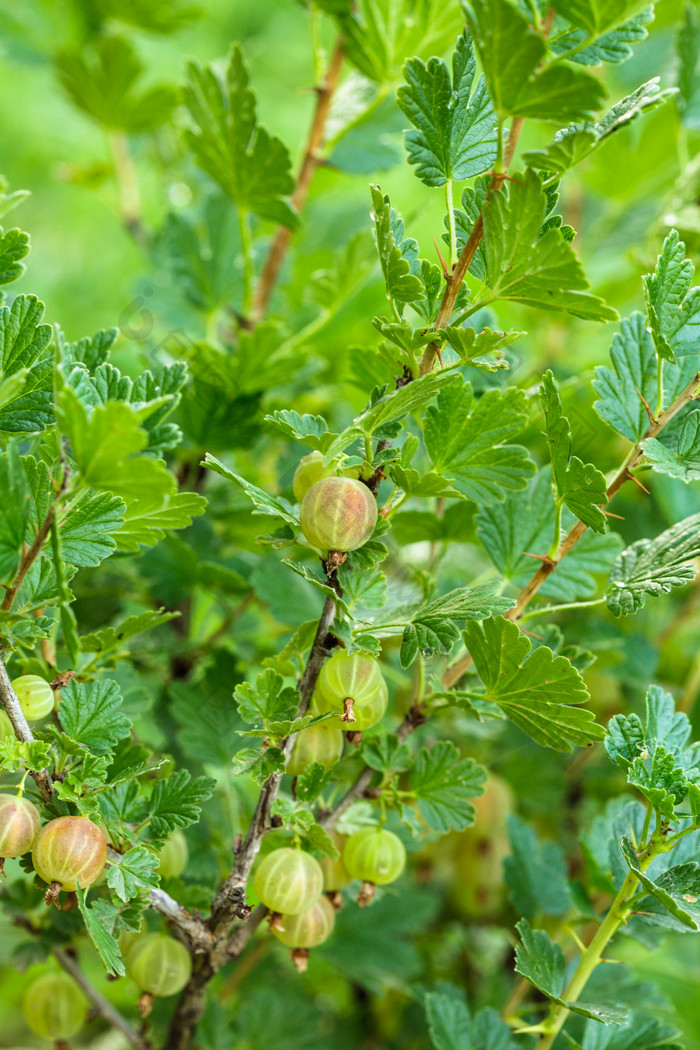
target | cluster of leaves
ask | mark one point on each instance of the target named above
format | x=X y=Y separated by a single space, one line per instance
x=96 y=466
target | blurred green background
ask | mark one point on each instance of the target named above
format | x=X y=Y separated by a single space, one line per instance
x=92 y=273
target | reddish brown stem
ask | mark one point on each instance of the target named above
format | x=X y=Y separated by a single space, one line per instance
x=456 y=278
x=455 y=672
x=310 y=162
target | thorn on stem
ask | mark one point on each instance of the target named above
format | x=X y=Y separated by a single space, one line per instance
x=638 y=482
x=645 y=403
x=445 y=272
x=544 y=558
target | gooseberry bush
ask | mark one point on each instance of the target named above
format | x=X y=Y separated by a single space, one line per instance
x=349 y=613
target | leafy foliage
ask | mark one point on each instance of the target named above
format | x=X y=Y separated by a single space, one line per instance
x=456 y=130
x=184 y=648
x=537 y=690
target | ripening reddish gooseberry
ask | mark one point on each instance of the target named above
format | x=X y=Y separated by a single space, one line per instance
x=69 y=852
x=374 y=855
x=321 y=743
x=352 y=677
x=173 y=857
x=338 y=514
x=54 y=1007
x=309 y=929
x=289 y=881
x=35 y=696
x=159 y=964
x=19 y=826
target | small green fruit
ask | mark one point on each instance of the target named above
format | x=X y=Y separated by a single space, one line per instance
x=321 y=743
x=159 y=964
x=54 y=1007
x=335 y=875
x=309 y=471
x=309 y=929
x=35 y=696
x=173 y=856
x=374 y=855
x=338 y=514
x=19 y=826
x=70 y=851
x=289 y=881
x=356 y=677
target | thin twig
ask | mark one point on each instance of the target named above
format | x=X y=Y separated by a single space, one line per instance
x=456 y=277
x=310 y=162
x=28 y=558
x=230 y=902
x=102 y=1007
x=412 y=720
x=13 y=710
x=455 y=672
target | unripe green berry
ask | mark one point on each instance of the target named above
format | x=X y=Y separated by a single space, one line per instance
x=173 y=856
x=309 y=929
x=289 y=881
x=35 y=696
x=356 y=677
x=54 y=1007
x=338 y=514
x=309 y=471
x=70 y=851
x=335 y=875
x=19 y=826
x=159 y=964
x=321 y=743
x=374 y=855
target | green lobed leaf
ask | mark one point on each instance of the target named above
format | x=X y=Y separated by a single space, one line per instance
x=14 y=246
x=432 y=629
x=654 y=567
x=632 y=378
x=535 y=872
x=513 y=58
x=266 y=701
x=468 y=439
x=577 y=141
x=249 y=164
x=175 y=802
x=579 y=486
x=537 y=690
x=528 y=265
x=89 y=713
x=455 y=136
x=541 y=962
x=136 y=870
x=395 y=252
x=100 y=80
x=264 y=503
x=444 y=783
x=677 y=888
x=99 y=920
